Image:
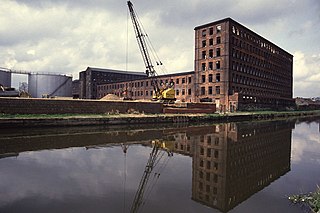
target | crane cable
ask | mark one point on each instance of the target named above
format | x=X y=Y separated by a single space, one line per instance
x=151 y=47
x=156 y=177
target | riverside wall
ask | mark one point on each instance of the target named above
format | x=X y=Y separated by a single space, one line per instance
x=70 y=106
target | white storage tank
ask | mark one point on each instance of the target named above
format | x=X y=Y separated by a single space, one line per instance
x=5 y=78
x=43 y=85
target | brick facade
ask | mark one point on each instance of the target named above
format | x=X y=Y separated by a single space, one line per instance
x=238 y=69
x=56 y=106
x=142 y=88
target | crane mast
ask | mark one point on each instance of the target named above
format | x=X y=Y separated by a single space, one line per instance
x=150 y=71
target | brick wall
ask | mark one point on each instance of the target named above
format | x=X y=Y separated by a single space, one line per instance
x=56 y=106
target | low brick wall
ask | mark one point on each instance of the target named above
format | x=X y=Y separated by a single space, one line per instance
x=57 y=106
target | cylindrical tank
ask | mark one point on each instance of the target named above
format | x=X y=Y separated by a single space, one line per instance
x=5 y=78
x=43 y=85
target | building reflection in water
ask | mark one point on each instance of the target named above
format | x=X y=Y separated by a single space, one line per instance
x=230 y=162
x=233 y=161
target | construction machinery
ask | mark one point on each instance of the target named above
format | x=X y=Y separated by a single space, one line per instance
x=8 y=92
x=161 y=92
x=158 y=149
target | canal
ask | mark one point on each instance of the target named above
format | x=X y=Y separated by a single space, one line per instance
x=227 y=167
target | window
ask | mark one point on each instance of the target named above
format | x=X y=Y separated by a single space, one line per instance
x=177 y=92
x=189 y=80
x=147 y=93
x=217 y=65
x=204 y=33
x=210 y=67
x=210 y=77
x=210 y=91
x=218 y=77
x=218 y=52
x=211 y=53
x=201 y=175
x=210 y=41
x=201 y=151
x=204 y=43
x=203 y=90
x=203 y=66
x=218 y=28
x=177 y=81
x=218 y=40
x=203 y=55
x=211 y=30
x=216 y=154
x=217 y=89
x=189 y=91
x=208 y=164
x=147 y=83
x=183 y=92
x=183 y=80
x=208 y=176
x=203 y=78
x=207 y=188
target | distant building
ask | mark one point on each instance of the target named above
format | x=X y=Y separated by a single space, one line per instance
x=76 y=89
x=92 y=77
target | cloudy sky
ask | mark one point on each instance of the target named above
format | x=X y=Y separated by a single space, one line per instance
x=66 y=36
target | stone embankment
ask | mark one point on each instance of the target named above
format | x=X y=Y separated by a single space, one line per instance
x=133 y=119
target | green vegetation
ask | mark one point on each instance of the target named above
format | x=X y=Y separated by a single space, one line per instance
x=310 y=200
x=135 y=114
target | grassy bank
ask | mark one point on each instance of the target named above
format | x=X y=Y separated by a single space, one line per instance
x=114 y=115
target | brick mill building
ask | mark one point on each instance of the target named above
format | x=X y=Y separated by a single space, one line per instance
x=234 y=68
x=92 y=77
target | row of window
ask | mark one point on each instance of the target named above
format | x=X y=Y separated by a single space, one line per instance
x=210 y=66
x=262 y=44
x=211 y=31
x=209 y=152
x=208 y=165
x=281 y=69
x=142 y=83
x=208 y=176
x=255 y=91
x=204 y=42
x=210 y=53
x=272 y=77
x=271 y=85
x=210 y=78
x=210 y=90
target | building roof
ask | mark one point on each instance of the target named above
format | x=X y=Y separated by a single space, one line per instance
x=237 y=23
x=116 y=71
x=159 y=76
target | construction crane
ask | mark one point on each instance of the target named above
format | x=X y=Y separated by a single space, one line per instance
x=157 y=147
x=163 y=93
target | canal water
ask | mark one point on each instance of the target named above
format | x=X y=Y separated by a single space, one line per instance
x=231 y=167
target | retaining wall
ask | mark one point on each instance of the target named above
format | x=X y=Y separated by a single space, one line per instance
x=56 y=106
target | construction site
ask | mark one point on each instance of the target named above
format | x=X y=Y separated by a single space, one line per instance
x=235 y=69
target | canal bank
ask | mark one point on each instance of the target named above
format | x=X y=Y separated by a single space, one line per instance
x=9 y=121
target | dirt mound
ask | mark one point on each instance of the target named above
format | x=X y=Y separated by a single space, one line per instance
x=110 y=97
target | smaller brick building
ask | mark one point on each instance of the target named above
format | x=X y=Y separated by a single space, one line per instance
x=92 y=77
x=140 y=89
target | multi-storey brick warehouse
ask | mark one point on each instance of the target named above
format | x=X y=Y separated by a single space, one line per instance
x=235 y=68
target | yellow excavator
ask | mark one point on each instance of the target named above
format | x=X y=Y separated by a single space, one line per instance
x=163 y=93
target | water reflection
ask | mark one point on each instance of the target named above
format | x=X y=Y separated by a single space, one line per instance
x=230 y=162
